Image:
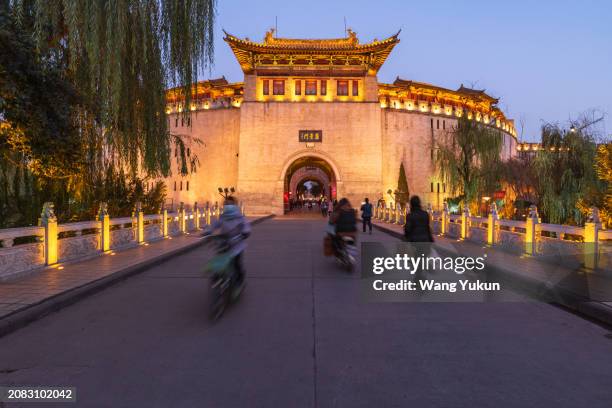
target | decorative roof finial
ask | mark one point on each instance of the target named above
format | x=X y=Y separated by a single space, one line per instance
x=269 y=36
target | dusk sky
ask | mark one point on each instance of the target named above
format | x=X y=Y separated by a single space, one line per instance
x=545 y=60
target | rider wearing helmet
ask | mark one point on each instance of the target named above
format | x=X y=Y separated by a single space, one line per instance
x=234 y=229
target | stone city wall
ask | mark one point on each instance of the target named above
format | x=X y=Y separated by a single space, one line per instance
x=269 y=144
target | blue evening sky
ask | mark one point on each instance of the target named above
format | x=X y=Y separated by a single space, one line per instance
x=546 y=60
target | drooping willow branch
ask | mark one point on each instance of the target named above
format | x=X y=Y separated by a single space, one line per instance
x=122 y=55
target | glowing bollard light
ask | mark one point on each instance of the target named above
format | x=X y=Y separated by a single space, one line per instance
x=465 y=222
x=104 y=227
x=139 y=215
x=164 y=223
x=591 y=239
x=398 y=209
x=445 y=217
x=181 y=217
x=492 y=224
x=196 y=216
x=530 y=230
x=49 y=221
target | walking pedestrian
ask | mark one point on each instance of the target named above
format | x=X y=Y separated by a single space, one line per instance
x=324 y=208
x=417 y=223
x=418 y=231
x=366 y=215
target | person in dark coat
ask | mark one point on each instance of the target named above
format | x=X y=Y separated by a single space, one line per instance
x=418 y=232
x=344 y=221
x=343 y=218
x=417 y=223
x=366 y=215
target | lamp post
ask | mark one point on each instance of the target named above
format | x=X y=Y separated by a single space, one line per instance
x=573 y=128
x=226 y=192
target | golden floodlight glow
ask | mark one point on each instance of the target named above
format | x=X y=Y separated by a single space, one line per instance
x=51 y=242
x=164 y=222
x=140 y=227
x=105 y=221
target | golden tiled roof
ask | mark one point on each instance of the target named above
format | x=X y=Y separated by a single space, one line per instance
x=373 y=54
x=214 y=87
x=463 y=94
x=477 y=94
x=475 y=100
x=346 y=43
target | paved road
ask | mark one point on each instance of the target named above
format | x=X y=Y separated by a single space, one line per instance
x=300 y=337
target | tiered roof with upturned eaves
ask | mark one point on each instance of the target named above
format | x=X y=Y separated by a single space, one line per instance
x=339 y=53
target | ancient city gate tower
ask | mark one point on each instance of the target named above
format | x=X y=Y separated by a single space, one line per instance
x=314 y=110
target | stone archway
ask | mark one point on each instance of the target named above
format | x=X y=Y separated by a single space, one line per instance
x=309 y=164
x=304 y=174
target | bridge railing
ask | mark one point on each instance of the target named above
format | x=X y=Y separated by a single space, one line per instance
x=30 y=248
x=589 y=246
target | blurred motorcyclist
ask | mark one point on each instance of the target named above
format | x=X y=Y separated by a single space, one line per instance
x=344 y=221
x=234 y=229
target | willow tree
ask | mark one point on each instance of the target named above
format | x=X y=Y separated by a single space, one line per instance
x=603 y=166
x=519 y=175
x=120 y=56
x=467 y=159
x=568 y=184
